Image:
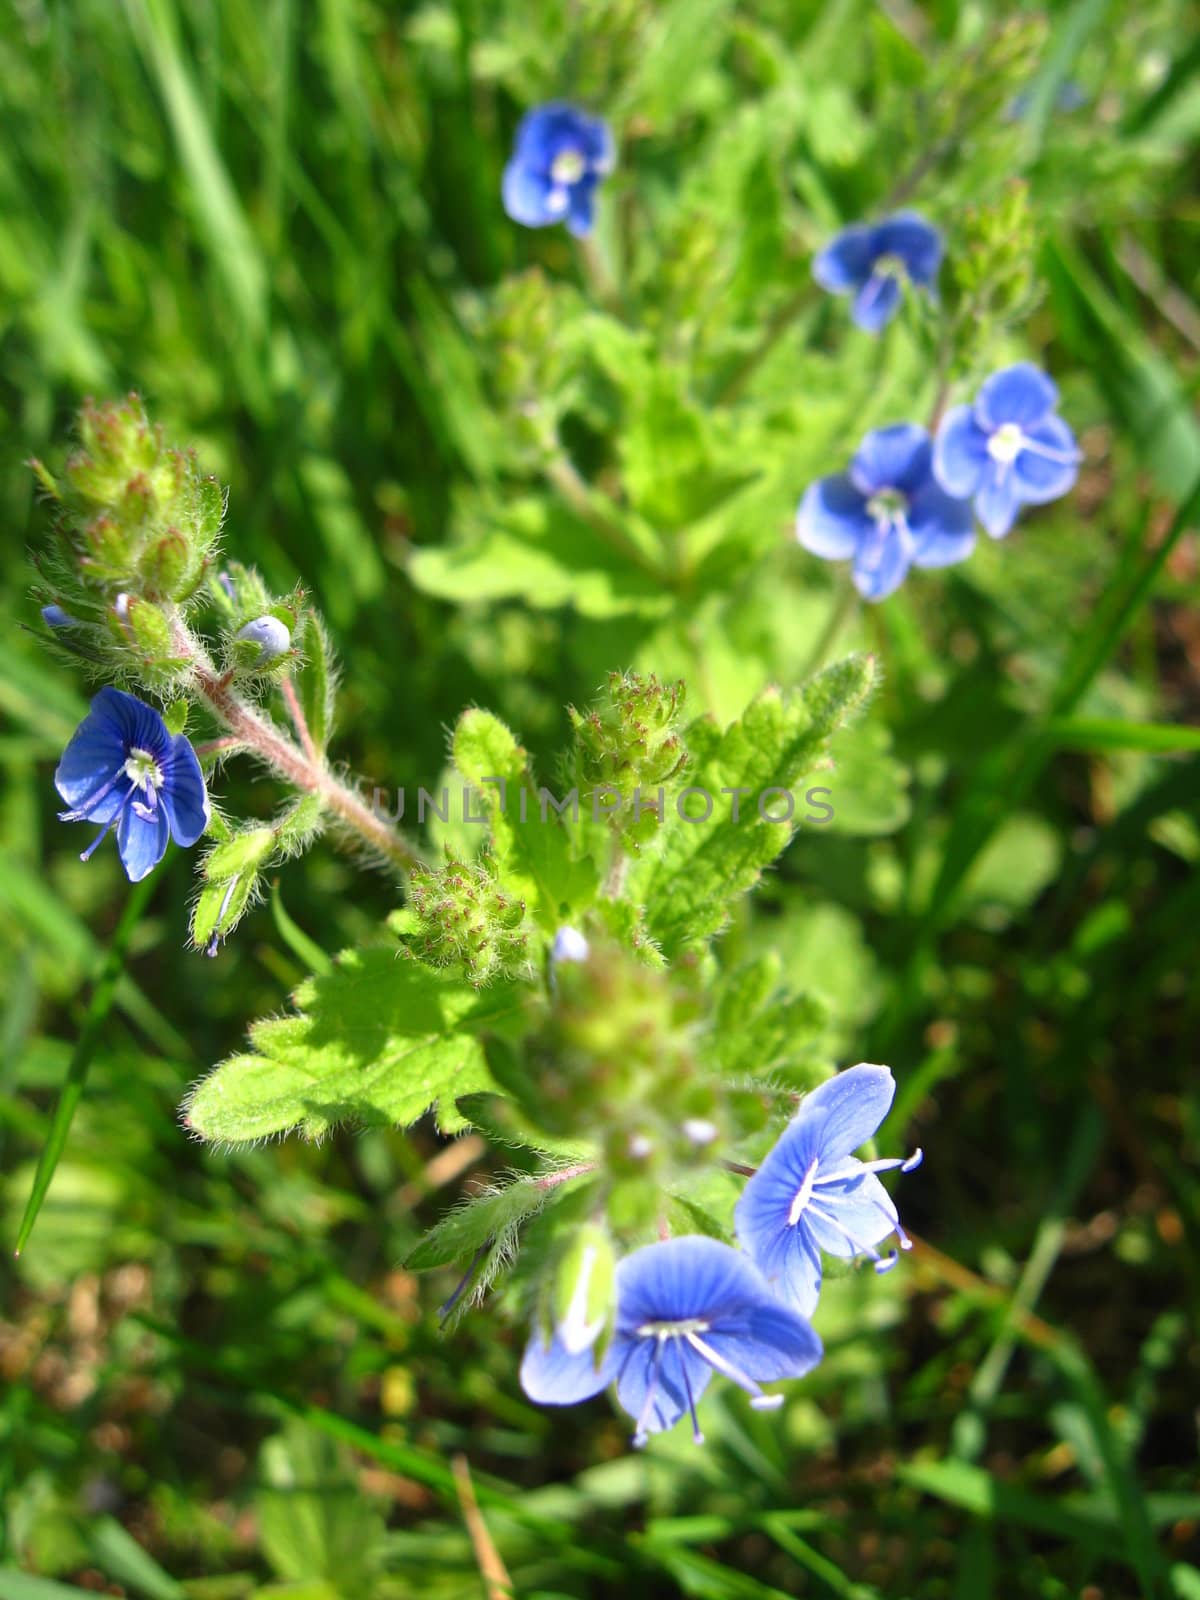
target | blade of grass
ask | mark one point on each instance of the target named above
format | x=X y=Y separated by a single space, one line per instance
x=99 y=1006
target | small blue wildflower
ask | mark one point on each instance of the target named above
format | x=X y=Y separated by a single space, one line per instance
x=559 y=156
x=686 y=1308
x=55 y=617
x=1008 y=449
x=810 y=1194
x=886 y=513
x=873 y=261
x=124 y=768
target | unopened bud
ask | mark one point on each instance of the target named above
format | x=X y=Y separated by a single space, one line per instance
x=270 y=636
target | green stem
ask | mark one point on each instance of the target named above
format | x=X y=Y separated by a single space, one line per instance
x=777 y=325
x=562 y=475
x=840 y=612
x=81 y=1057
x=601 y=280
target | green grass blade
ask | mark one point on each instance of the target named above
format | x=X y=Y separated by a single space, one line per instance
x=99 y=1006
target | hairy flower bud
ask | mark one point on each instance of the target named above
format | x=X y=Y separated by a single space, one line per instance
x=263 y=640
x=629 y=743
x=460 y=916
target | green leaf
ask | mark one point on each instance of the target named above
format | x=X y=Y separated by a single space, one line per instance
x=314 y=679
x=534 y=854
x=313 y=1519
x=868 y=787
x=703 y=866
x=497 y=1215
x=380 y=1039
x=544 y=554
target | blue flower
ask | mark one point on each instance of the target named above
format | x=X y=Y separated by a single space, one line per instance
x=810 y=1194
x=55 y=617
x=886 y=513
x=559 y=157
x=124 y=768
x=872 y=262
x=1008 y=449
x=686 y=1308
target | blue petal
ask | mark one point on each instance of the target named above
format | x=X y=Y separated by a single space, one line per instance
x=770 y=1341
x=896 y=457
x=789 y=1262
x=851 y=1105
x=998 y=500
x=580 y=206
x=1022 y=394
x=960 y=453
x=183 y=793
x=832 y=518
x=670 y=1393
x=141 y=726
x=551 y=130
x=942 y=527
x=1046 y=477
x=531 y=199
x=881 y=563
x=877 y=302
x=862 y=1208
x=141 y=841
x=917 y=242
x=846 y=261
x=93 y=757
x=553 y=1377
x=679 y=1279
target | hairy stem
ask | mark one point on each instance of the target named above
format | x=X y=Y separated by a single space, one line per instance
x=301 y=767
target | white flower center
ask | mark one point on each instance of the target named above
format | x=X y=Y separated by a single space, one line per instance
x=143 y=771
x=1006 y=444
x=886 y=507
x=803 y=1193
x=672 y=1330
x=568 y=167
x=890 y=266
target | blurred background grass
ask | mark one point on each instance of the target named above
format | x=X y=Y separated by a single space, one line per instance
x=279 y=221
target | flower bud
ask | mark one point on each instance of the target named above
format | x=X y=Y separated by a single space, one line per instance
x=629 y=742
x=266 y=638
x=460 y=916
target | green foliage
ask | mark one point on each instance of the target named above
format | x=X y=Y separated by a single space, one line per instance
x=706 y=861
x=505 y=469
x=380 y=1039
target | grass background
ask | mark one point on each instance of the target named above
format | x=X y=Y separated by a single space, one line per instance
x=278 y=220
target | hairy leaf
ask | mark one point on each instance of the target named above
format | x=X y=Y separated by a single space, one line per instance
x=703 y=866
x=380 y=1039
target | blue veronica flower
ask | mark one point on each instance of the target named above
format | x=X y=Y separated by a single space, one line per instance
x=873 y=261
x=559 y=156
x=124 y=768
x=686 y=1308
x=810 y=1194
x=1008 y=449
x=55 y=617
x=887 y=513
